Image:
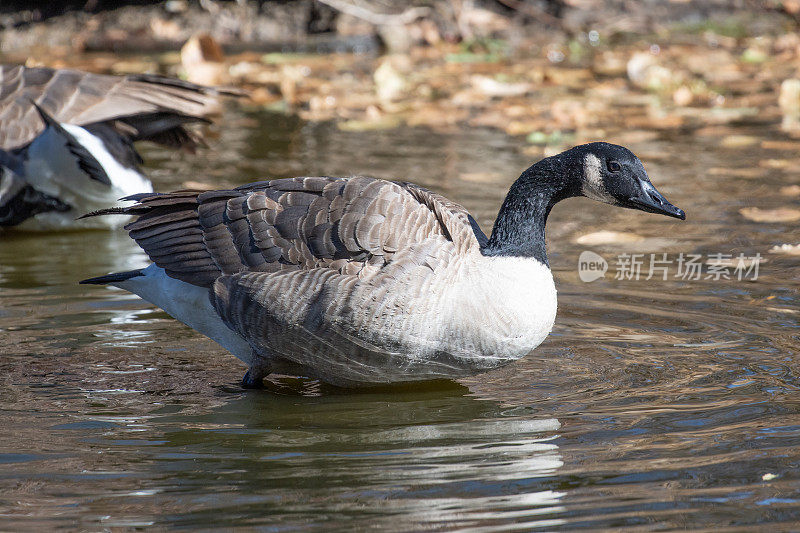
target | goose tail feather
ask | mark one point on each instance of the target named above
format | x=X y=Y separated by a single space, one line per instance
x=107 y=211
x=115 y=277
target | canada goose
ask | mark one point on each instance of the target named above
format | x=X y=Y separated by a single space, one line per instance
x=19 y=201
x=358 y=281
x=67 y=137
x=65 y=172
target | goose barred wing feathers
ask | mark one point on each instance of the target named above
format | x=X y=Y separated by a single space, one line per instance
x=353 y=226
x=143 y=107
x=316 y=271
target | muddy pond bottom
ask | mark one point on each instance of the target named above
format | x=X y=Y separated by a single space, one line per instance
x=660 y=401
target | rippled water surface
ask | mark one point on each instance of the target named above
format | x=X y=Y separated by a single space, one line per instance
x=655 y=404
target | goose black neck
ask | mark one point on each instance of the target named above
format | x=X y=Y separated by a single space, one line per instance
x=519 y=228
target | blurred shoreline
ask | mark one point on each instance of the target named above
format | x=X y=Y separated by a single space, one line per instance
x=555 y=73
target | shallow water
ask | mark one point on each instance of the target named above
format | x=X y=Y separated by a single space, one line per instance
x=655 y=404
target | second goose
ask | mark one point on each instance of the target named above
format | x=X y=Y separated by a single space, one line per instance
x=66 y=139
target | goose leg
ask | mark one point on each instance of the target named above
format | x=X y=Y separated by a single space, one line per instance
x=254 y=377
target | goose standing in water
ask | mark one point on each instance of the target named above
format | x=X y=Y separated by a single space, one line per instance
x=359 y=281
x=66 y=139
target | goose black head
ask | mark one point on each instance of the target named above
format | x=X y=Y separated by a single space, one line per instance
x=613 y=175
x=602 y=171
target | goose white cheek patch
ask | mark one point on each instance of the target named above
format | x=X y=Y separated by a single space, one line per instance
x=593 y=180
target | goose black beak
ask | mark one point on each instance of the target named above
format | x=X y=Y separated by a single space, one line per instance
x=652 y=201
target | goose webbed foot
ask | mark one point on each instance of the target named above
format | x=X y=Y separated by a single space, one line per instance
x=254 y=377
x=252 y=380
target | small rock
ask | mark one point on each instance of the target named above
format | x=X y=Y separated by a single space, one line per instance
x=790 y=190
x=789 y=101
x=176 y=6
x=397 y=37
x=390 y=77
x=755 y=55
x=645 y=72
x=610 y=63
x=682 y=96
x=291 y=77
x=165 y=29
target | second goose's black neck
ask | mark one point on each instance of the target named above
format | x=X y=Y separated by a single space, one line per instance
x=519 y=228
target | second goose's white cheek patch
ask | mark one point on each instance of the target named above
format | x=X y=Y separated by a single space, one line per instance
x=593 y=180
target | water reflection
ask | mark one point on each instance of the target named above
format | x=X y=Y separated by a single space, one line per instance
x=396 y=461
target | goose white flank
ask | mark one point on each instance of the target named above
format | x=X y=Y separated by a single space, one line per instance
x=66 y=140
x=360 y=281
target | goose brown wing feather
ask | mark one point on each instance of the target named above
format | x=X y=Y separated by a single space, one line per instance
x=349 y=225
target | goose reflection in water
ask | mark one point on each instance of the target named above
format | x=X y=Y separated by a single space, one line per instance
x=397 y=458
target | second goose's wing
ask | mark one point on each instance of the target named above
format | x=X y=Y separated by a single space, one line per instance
x=146 y=107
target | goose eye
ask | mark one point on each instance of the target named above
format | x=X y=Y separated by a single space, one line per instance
x=613 y=166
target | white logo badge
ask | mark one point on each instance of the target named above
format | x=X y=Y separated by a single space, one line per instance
x=591 y=266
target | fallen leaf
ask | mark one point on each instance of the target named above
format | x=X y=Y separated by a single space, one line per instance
x=780 y=145
x=202 y=61
x=481 y=177
x=608 y=237
x=630 y=242
x=384 y=123
x=790 y=190
x=738 y=141
x=492 y=88
x=635 y=136
x=198 y=185
x=780 y=214
x=570 y=77
x=737 y=172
